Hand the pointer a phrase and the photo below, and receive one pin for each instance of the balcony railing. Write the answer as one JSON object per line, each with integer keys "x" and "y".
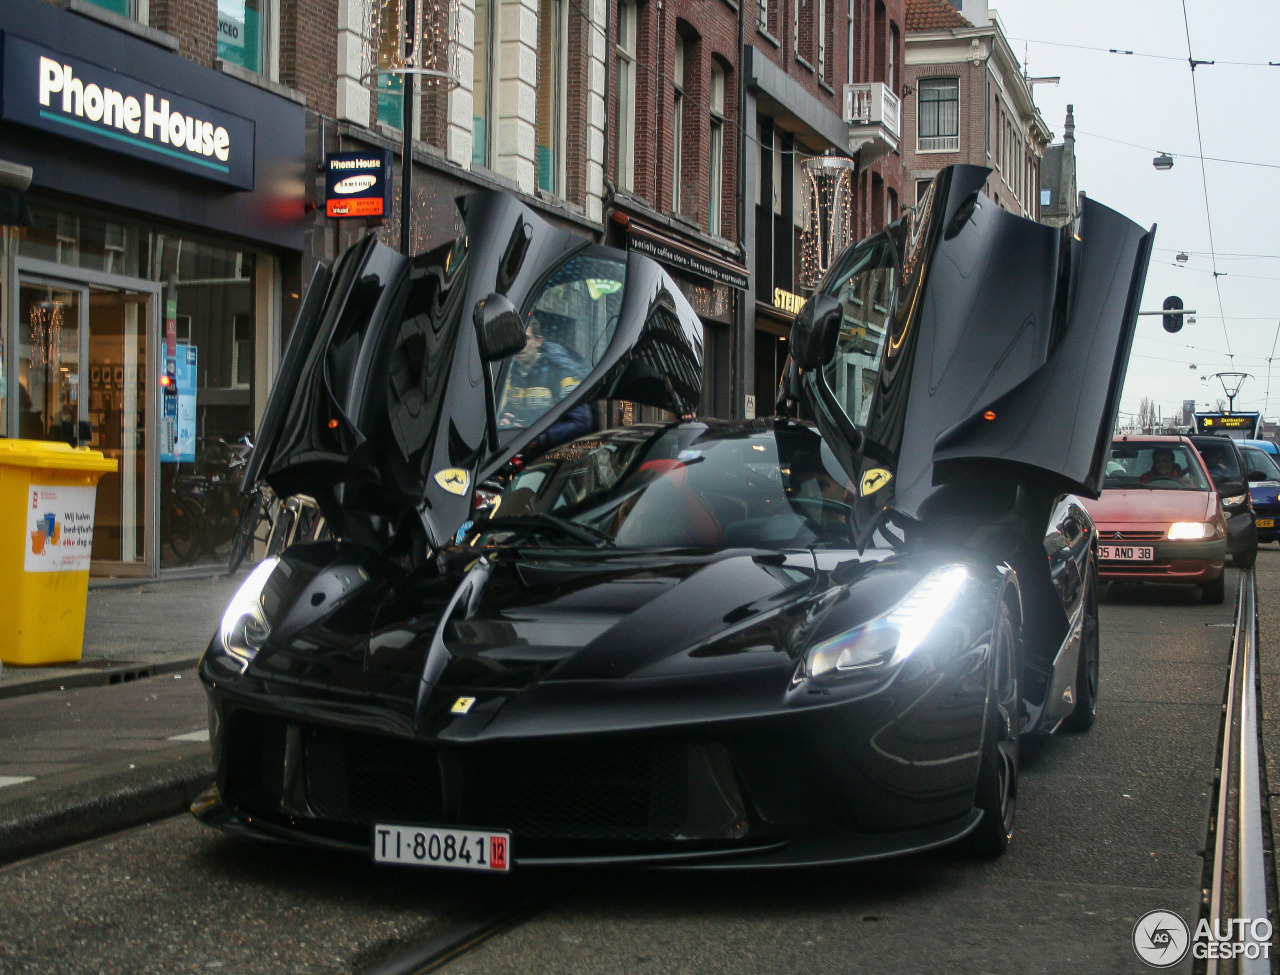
{"x": 874, "y": 115}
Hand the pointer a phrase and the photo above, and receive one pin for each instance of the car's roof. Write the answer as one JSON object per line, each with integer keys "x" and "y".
{"x": 1149, "y": 438}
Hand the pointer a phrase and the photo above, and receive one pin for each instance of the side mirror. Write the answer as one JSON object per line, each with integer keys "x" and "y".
{"x": 1256, "y": 476}
{"x": 1231, "y": 489}
{"x": 498, "y": 327}
{"x": 815, "y": 332}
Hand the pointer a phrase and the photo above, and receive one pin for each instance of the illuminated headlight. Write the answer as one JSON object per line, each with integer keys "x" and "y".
{"x": 244, "y": 625}
{"x": 1185, "y": 530}
{"x": 1235, "y": 499}
{"x": 890, "y": 639}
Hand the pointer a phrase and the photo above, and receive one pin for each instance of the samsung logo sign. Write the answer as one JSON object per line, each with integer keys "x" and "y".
{"x": 91, "y": 103}
{"x": 151, "y": 119}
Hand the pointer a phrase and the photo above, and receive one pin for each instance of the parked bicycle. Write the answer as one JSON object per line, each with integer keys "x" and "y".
{"x": 205, "y": 505}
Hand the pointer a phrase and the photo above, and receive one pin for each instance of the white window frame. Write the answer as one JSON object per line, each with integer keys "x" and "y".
{"x": 822, "y": 38}
{"x": 626, "y": 95}
{"x": 852, "y": 43}
{"x": 270, "y": 41}
{"x": 936, "y": 143}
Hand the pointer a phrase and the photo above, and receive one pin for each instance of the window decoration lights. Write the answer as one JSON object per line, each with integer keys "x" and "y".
{"x": 828, "y": 201}
{"x": 45, "y": 323}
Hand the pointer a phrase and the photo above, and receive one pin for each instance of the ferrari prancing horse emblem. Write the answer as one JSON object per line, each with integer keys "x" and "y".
{"x": 873, "y": 480}
{"x": 453, "y": 479}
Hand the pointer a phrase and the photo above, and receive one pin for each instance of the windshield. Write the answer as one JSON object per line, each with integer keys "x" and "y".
{"x": 1155, "y": 466}
{"x": 1219, "y": 455}
{"x": 1257, "y": 459}
{"x": 864, "y": 286}
{"x": 687, "y": 486}
{"x": 568, "y": 326}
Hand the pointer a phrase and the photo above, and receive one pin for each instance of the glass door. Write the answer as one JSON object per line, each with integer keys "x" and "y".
{"x": 82, "y": 363}
{"x": 115, "y": 384}
{"x": 49, "y": 353}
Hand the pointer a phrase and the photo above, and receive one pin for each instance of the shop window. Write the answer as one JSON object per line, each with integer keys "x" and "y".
{"x": 243, "y": 34}
{"x": 553, "y": 67}
{"x": 625, "y": 93}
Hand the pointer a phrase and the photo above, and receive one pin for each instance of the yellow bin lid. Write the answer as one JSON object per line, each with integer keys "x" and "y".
{"x": 53, "y": 454}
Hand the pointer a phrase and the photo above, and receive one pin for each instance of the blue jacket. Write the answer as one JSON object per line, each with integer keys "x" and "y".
{"x": 531, "y": 392}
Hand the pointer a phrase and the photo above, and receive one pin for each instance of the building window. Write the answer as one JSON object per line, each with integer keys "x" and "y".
{"x": 922, "y": 187}
{"x": 677, "y": 139}
{"x": 390, "y": 54}
{"x": 125, "y": 8}
{"x": 482, "y": 84}
{"x": 553, "y": 67}
{"x": 822, "y": 39}
{"x": 849, "y": 78}
{"x": 762, "y": 15}
{"x": 715, "y": 166}
{"x": 939, "y": 122}
{"x": 625, "y": 91}
{"x": 243, "y": 30}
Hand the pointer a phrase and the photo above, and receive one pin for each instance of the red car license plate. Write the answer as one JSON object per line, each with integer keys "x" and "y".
{"x": 1126, "y": 553}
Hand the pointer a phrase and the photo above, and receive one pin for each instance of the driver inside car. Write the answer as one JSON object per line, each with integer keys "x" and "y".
{"x": 1164, "y": 469}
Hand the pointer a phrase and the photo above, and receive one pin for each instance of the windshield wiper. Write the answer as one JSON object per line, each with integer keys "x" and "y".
{"x": 539, "y": 519}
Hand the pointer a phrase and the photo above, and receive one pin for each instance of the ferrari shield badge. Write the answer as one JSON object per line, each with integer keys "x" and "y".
{"x": 454, "y": 480}
{"x": 873, "y": 480}
{"x": 462, "y": 705}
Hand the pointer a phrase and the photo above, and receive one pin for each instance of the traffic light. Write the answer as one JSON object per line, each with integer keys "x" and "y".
{"x": 1173, "y": 323}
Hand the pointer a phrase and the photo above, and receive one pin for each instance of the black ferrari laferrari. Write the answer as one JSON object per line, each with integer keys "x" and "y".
{"x": 815, "y": 637}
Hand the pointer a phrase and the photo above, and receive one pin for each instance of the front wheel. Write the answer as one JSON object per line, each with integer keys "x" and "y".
{"x": 1088, "y": 666}
{"x": 997, "y": 792}
{"x": 246, "y": 530}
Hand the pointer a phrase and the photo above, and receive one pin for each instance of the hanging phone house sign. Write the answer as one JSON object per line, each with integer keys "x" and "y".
{"x": 357, "y": 184}
{"x": 79, "y": 100}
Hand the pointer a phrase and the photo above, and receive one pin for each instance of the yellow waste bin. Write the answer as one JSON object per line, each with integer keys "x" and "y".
{"x": 47, "y": 494}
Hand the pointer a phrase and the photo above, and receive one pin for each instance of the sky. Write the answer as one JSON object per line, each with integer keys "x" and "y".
{"x": 1225, "y": 217}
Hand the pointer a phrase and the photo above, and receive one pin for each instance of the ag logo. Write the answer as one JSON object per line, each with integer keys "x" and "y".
{"x": 462, "y": 705}
{"x": 873, "y": 480}
{"x": 1161, "y": 939}
{"x": 453, "y": 479}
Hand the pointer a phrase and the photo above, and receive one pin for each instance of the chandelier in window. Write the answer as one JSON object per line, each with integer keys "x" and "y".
{"x": 45, "y": 324}
{"x": 827, "y": 199}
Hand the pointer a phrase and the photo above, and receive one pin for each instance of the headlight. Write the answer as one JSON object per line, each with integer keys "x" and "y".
{"x": 1185, "y": 530}
{"x": 244, "y": 624}
{"x": 1235, "y": 499}
{"x": 892, "y": 638}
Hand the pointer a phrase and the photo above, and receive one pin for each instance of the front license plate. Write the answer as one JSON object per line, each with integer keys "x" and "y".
{"x": 1266, "y": 523}
{"x": 1126, "y": 553}
{"x": 430, "y": 846}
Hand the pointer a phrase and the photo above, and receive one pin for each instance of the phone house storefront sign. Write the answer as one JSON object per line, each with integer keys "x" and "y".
{"x": 79, "y": 100}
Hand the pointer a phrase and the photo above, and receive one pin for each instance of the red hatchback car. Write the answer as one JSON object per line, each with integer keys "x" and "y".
{"x": 1159, "y": 518}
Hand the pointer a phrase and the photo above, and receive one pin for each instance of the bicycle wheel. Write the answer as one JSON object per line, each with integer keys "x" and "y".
{"x": 184, "y": 526}
{"x": 246, "y": 530}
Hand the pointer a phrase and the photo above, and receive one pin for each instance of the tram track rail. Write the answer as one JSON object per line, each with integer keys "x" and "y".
{"x": 1237, "y": 873}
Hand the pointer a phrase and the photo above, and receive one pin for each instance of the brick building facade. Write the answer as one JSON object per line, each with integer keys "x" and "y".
{"x": 970, "y": 102}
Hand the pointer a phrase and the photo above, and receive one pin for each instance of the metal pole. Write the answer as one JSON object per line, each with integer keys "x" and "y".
{"x": 406, "y": 149}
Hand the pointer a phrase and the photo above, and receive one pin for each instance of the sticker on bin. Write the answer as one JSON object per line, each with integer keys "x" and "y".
{"x": 59, "y": 535}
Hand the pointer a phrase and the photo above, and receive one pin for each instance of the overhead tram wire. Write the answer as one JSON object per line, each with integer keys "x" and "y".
{"x": 1204, "y": 178}
{"x": 1267, "y": 396}
{"x": 1139, "y": 54}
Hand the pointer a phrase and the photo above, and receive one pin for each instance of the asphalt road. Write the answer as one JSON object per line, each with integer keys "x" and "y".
{"x": 1111, "y": 825}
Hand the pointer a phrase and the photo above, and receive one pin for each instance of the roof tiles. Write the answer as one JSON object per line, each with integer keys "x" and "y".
{"x": 934, "y": 15}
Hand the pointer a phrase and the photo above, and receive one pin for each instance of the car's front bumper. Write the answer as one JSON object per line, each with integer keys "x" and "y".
{"x": 1191, "y": 562}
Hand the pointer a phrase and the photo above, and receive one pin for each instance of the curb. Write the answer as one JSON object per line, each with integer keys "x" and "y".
{"x": 112, "y": 673}
{"x": 57, "y": 811}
